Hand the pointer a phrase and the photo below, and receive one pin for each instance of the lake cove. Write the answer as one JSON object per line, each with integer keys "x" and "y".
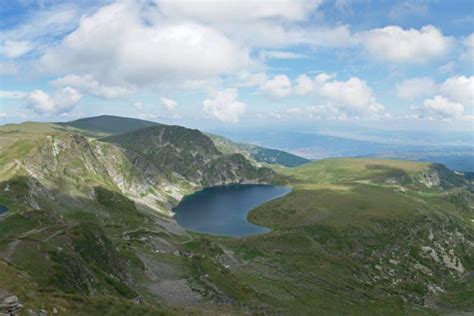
{"x": 222, "y": 210}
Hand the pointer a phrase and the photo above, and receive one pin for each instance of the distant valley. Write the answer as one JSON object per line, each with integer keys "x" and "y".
{"x": 459, "y": 157}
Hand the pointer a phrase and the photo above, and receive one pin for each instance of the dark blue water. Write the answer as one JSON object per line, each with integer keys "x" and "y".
{"x": 223, "y": 210}
{"x": 3, "y": 209}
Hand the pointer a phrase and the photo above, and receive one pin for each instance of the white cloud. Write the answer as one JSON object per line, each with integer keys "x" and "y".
{"x": 306, "y": 85}
{"x": 224, "y": 105}
{"x": 62, "y": 101}
{"x": 392, "y": 43}
{"x": 12, "y": 94}
{"x": 279, "y": 54}
{"x": 13, "y": 49}
{"x": 120, "y": 46}
{"x": 352, "y": 97}
{"x": 459, "y": 89}
{"x": 441, "y": 107}
{"x": 339, "y": 99}
{"x": 278, "y": 87}
{"x": 232, "y": 11}
{"x": 416, "y": 87}
{"x": 168, "y": 103}
{"x": 88, "y": 84}
{"x": 454, "y": 98}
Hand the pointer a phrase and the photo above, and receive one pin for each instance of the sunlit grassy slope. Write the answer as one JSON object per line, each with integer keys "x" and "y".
{"x": 362, "y": 236}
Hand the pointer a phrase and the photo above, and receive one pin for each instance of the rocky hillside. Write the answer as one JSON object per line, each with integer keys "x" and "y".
{"x": 106, "y": 125}
{"x": 88, "y": 230}
{"x": 153, "y": 166}
{"x": 77, "y": 206}
{"x": 185, "y": 154}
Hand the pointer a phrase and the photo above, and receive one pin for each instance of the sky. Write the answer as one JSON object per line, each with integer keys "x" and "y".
{"x": 405, "y": 65}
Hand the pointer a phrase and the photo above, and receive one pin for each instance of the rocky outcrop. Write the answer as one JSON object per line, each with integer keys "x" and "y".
{"x": 438, "y": 176}
{"x": 9, "y": 304}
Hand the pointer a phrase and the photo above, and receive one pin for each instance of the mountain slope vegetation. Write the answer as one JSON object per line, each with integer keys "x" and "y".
{"x": 107, "y": 125}
{"x": 89, "y": 229}
{"x": 257, "y": 153}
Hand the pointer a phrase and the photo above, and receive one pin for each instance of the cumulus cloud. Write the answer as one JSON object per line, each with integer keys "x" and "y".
{"x": 121, "y": 46}
{"x": 306, "y": 85}
{"x": 278, "y": 87}
{"x": 459, "y": 89}
{"x": 392, "y": 43}
{"x": 168, "y": 104}
{"x": 352, "y": 98}
{"x": 60, "y": 102}
{"x": 441, "y": 107}
{"x": 224, "y": 105}
{"x": 454, "y": 98}
{"x": 88, "y": 84}
{"x": 260, "y": 24}
{"x": 416, "y": 87}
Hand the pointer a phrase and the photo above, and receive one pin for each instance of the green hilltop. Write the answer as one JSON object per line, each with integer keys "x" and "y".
{"x": 89, "y": 228}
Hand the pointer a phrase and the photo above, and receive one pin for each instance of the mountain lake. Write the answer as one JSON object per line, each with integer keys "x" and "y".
{"x": 222, "y": 210}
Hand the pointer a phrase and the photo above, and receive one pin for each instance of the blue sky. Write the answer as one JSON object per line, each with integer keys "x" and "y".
{"x": 234, "y": 64}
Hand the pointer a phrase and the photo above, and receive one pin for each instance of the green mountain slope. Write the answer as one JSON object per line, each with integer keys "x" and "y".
{"x": 89, "y": 230}
{"x": 375, "y": 236}
{"x": 178, "y": 152}
{"x": 257, "y": 153}
{"x": 105, "y": 125}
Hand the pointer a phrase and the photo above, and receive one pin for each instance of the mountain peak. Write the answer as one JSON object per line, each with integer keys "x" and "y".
{"x": 109, "y": 124}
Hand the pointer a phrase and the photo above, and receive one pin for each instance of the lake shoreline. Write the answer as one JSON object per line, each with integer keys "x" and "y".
{"x": 223, "y": 210}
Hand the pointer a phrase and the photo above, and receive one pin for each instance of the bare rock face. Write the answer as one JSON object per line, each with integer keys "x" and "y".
{"x": 429, "y": 178}
{"x": 9, "y": 304}
{"x": 439, "y": 176}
